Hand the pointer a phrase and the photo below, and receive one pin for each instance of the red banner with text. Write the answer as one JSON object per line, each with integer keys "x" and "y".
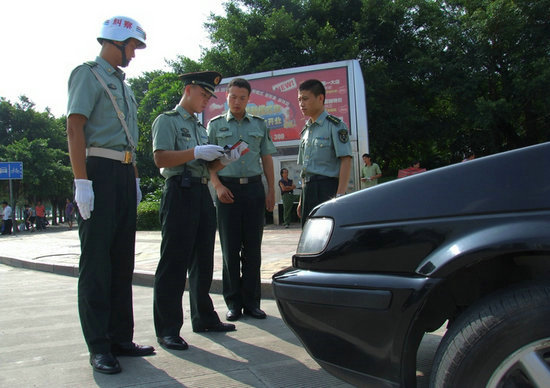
{"x": 276, "y": 100}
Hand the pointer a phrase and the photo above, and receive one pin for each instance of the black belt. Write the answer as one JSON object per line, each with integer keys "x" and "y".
{"x": 241, "y": 181}
{"x": 313, "y": 178}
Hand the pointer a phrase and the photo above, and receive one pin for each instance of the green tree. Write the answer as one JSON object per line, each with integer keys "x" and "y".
{"x": 38, "y": 140}
{"x": 441, "y": 76}
{"x": 509, "y": 42}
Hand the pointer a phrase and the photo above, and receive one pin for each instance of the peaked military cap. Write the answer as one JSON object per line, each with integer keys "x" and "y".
{"x": 208, "y": 80}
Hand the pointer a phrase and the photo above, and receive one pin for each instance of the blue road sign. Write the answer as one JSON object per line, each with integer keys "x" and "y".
{"x": 11, "y": 170}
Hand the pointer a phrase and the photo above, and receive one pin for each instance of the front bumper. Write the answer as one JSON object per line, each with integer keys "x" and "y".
{"x": 353, "y": 325}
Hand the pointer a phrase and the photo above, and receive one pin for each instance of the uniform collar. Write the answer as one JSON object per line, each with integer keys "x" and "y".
{"x": 183, "y": 113}
{"x": 110, "y": 69}
{"x": 229, "y": 116}
{"x": 322, "y": 117}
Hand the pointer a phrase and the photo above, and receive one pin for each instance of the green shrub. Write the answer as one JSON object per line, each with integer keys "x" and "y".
{"x": 148, "y": 216}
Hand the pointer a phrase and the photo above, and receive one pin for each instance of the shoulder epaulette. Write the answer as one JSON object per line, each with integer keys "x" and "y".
{"x": 334, "y": 119}
{"x": 257, "y": 117}
{"x": 171, "y": 113}
{"x": 91, "y": 63}
{"x": 217, "y": 117}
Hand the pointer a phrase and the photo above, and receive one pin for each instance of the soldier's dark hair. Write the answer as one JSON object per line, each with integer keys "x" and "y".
{"x": 314, "y": 86}
{"x": 283, "y": 170}
{"x": 240, "y": 83}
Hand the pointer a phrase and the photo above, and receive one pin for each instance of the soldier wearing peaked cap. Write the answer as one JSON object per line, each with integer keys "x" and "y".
{"x": 102, "y": 132}
{"x": 187, "y": 214}
{"x": 325, "y": 150}
{"x": 208, "y": 80}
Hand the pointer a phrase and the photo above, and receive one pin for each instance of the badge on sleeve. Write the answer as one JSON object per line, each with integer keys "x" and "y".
{"x": 343, "y": 135}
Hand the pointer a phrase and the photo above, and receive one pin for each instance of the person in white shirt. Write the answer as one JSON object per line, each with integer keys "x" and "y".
{"x": 6, "y": 218}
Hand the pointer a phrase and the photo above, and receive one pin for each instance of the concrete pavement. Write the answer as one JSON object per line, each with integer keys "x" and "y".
{"x": 42, "y": 344}
{"x": 57, "y": 250}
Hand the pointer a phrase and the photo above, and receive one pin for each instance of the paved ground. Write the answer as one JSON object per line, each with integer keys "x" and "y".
{"x": 57, "y": 250}
{"x": 42, "y": 344}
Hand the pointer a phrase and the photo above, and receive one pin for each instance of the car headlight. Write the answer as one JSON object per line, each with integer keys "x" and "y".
{"x": 315, "y": 236}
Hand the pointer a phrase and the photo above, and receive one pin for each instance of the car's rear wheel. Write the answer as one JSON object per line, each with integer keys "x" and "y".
{"x": 501, "y": 341}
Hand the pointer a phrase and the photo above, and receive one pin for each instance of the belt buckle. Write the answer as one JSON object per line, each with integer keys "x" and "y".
{"x": 127, "y": 157}
{"x": 204, "y": 180}
{"x": 243, "y": 181}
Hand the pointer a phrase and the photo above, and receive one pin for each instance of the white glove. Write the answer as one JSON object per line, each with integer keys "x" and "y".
{"x": 138, "y": 191}
{"x": 230, "y": 156}
{"x": 208, "y": 152}
{"x": 84, "y": 197}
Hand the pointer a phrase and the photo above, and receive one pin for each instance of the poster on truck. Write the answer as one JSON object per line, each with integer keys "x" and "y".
{"x": 275, "y": 98}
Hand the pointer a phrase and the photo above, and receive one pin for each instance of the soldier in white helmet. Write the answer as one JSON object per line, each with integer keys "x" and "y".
{"x": 102, "y": 134}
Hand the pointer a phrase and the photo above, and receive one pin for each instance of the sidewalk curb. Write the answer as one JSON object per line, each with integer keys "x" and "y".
{"x": 140, "y": 278}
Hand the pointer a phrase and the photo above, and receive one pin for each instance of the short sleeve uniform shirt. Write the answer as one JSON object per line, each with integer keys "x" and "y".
{"x": 179, "y": 130}
{"x": 87, "y": 97}
{"x": 322, "y": 143}
{"x": 227, "y": 130}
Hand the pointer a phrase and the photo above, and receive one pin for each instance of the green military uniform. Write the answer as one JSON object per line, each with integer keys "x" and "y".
{"x": 107, "y": 238}
{"x": 188, "y": 220}
{"x": 240, "y": 224}
{"x": 322, "y": 143}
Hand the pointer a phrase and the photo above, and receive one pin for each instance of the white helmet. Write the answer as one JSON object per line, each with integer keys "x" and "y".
{"x": 120, "y": 28}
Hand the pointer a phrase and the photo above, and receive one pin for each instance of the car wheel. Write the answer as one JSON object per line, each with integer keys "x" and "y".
{"x": 501, "y": 341}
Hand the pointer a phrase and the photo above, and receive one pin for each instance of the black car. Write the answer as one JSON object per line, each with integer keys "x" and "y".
{"x": 469, "y": 244}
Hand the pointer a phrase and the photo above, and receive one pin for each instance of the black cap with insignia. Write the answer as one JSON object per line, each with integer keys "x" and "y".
{"x": 208, "y": 80}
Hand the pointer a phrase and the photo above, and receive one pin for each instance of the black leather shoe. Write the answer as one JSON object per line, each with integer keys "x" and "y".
{"x": 173, "y": 342}
{"x": 131, "y": 349}
{"x": 255, "y": 313}
{"x": 220, "y": 326}
{"x": 104, "y": 363}
{"x": 233, "y": 315}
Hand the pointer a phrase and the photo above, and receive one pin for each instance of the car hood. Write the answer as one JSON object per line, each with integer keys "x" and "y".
{"x": 512, "y": 181}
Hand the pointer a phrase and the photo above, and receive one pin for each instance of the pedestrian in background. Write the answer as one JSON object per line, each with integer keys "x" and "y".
{"x": 27, "y": 214}
{"x": 69, "y": 212}
{"x": 40, "y": 211}
{"x": 241, "y": 201}
{"x": 413, "y": 169}
{"x": 32, "y": 218}
{"x": 325, "y": 150}
{"x": 187, "y": 214}
{"x": 287, "y": 194}
{"x": 102, "y": 132}
{"x": 6, "y": 218}
{"x": 370, "y": 172}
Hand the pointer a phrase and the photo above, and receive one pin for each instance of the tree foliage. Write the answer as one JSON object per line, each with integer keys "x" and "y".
{"x": 38, "y": 140}
{"x": 441, "y": 77}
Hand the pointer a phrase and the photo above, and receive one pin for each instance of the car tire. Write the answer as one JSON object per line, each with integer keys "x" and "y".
{"x": 503, "y": 340}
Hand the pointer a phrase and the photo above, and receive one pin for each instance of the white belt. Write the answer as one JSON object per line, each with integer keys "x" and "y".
{"x": 125, "y": 157}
